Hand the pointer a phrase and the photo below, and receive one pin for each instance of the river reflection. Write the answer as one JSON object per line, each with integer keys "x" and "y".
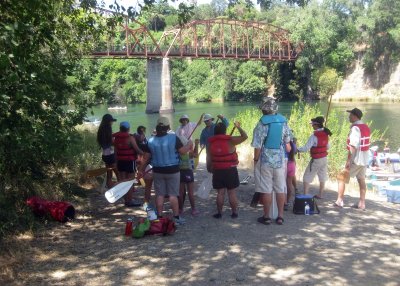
{"x": 383, "y": 115}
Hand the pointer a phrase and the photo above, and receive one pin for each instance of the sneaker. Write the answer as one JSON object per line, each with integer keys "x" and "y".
{"x": 179, "y": 221}
{"x": 195, "y": 212}
{"x": 217, "y": 216}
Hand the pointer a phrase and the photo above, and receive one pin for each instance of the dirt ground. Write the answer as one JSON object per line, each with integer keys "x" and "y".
{"x": 337, "y": 247}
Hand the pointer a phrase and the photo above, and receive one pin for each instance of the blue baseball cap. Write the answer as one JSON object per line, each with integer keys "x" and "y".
{"x": 125, "y": 124}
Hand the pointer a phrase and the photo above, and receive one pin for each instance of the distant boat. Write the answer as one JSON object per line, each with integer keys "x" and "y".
{"x": 118, "y": 108}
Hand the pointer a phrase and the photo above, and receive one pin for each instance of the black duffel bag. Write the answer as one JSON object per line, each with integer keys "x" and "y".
{"x": 300, "y": 202}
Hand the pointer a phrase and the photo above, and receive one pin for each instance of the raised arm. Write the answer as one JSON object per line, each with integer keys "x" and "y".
{"x": 236, "y": 140}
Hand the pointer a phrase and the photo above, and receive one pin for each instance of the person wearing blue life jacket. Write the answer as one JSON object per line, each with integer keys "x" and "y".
{"x": 207, "y": 132}
{"x": 271, "y": 139}
{"x": 164, "y": 149}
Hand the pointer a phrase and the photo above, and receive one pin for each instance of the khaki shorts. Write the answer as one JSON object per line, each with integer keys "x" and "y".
{"x": 268, "y": 179}
{"x": 316, "y": 167}
{"x": 357, "y": 171}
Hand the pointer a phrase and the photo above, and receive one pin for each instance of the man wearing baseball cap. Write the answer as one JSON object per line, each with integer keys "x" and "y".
{"x": 358, "y": 143}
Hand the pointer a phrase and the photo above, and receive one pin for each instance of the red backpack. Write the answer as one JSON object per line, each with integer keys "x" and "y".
{"x": 162, "y": 226}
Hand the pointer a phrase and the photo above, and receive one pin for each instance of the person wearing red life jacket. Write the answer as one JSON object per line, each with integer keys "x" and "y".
{"x": 318, "y": 145}
{"x": 126, "y": 150}
{"x": 224, "y": 161}
{"x": 358, "y": 143}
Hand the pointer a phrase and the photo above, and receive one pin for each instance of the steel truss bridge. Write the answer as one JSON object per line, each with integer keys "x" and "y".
{"x": 207, "y": 39}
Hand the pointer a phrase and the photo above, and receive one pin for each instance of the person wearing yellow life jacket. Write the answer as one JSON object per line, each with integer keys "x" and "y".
{"x": 317, "y": 144}
{"x": 126, "y": 150}
{"x": 224, "y": 161}
{"x": 358, "y": 143}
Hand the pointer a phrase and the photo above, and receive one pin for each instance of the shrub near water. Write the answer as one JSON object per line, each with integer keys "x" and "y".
{"x": 298, "y": 121}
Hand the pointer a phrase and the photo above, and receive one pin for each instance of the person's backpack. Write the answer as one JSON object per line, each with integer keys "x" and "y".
{"x": 300, "y": 202}
{"x": 161, "y": 226}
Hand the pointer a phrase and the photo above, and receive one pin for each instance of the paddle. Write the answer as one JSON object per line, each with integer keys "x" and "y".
{"x": 96, "y": 172}
{"x": 198, "y": 123}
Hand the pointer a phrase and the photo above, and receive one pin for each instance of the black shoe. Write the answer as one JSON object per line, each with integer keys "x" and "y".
{"x": 234, "y": 215}
{"x": 217, "y": 215}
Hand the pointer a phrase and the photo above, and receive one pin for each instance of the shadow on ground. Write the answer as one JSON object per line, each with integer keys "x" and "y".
{"x": 338, "y": 247}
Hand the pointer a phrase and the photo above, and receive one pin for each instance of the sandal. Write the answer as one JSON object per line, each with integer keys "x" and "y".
{"x": 264, "y": 220}
{"x": 336, "y": 205}
{"x": 279, "y": 220}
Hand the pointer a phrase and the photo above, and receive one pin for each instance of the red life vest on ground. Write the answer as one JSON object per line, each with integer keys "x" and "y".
{"x": 321, "y": 150}
{"x": 219, "y": 150}
{"x": 365, "y": 136}
{"x": 123, "y": 148}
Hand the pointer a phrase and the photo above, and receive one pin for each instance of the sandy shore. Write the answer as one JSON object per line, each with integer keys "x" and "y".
{"x": 338, "y": 247}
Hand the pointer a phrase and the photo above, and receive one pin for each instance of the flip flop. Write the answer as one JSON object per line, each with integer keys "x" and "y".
{"x": 336, "y": 205}
{"x": 318, "y": 197}
{"x": 245, "y": 181}
{"x": 355, "y": 206}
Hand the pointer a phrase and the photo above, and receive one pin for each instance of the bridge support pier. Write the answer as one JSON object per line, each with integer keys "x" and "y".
{"x": 159, "y": 89}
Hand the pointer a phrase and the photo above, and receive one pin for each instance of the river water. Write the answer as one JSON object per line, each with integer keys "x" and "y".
{"x": 382, "y": 115}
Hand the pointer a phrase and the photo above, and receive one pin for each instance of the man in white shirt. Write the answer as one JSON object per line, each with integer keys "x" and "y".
{"x": 358, "y": 143}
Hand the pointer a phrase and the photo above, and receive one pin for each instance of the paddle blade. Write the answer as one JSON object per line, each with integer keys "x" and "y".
{"x": 95, "y": 172}
{"x": 118, "y": 191}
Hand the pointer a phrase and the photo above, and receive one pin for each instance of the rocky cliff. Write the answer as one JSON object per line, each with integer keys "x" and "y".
{"x": 382, "y": 86}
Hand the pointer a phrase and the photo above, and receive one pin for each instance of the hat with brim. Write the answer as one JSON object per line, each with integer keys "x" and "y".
{"x": 357, "y": 112}
{"x": 207, "y": 117}
{"x": 108, "y": 117}
{"x": 183, "y": 117}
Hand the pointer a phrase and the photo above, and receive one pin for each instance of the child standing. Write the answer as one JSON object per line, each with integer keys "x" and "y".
{"x": 291, "y": 173}
{"x": 187, "y": 177}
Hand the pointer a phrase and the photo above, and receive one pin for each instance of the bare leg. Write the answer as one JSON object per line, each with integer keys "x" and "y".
{"x": 321, "y": 188}
{"x": 266, "y": 200}
{"x": 233, "y": 200}
{"x": 363, "y": 189}
{"x": 294, "y": 182}
{"x": 306, "y": 187}
{"x": 341, "y": 189}
{"x": 160, "y": 204}
{"x": 220, "y": 200}
{"x": 280, "y": 201}
{"x": 173, "y": 200}
{"x": 290, "y": 189}
{"x": 191, "y": 195}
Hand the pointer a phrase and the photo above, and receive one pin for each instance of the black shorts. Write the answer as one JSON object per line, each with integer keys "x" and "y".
{"x": 225, "y": 178}
{"x": 108, "y": 159}
{"x": 187, "y": 176}
{"x": 126, "y": 166}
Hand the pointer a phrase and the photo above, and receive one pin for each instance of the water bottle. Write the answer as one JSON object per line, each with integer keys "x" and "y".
{"x": 306, "y": 209}
{"x": 151, "y": 214}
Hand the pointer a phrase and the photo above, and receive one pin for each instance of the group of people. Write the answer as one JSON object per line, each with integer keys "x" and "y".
{"x": 170, "y": 157}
